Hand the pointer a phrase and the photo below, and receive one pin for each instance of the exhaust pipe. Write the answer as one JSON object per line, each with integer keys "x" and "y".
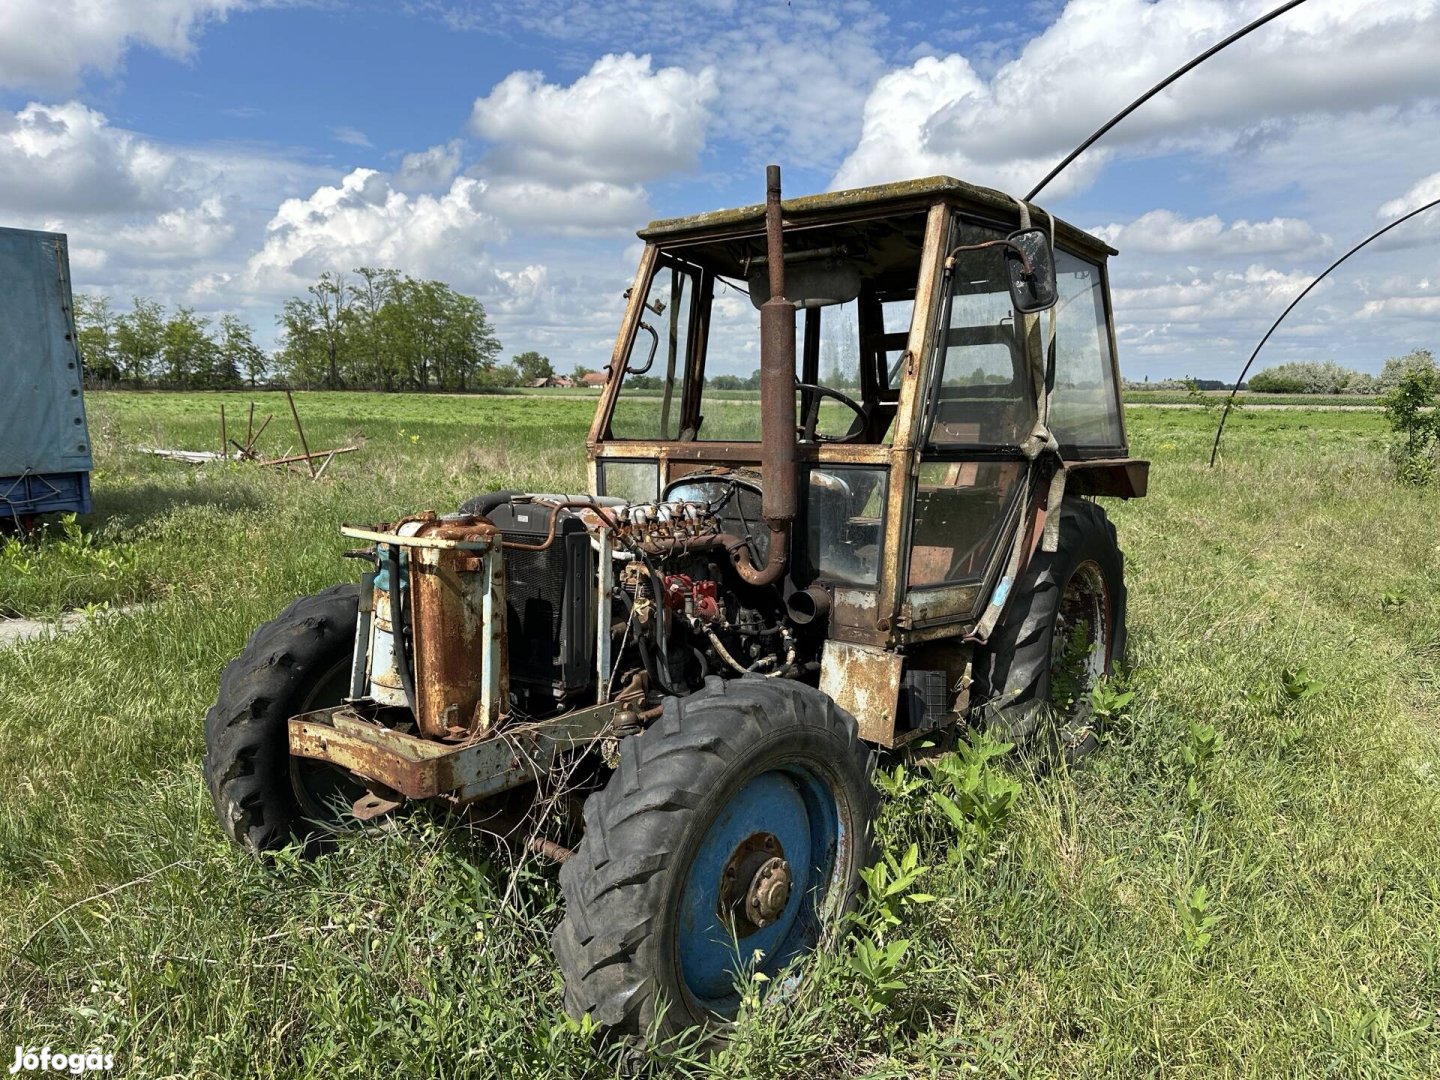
{"x": 778, "y": 472}
{"x": 779, "y": 476}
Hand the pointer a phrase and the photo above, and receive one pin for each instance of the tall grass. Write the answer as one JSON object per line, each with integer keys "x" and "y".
{"x": 1244, "y": 881}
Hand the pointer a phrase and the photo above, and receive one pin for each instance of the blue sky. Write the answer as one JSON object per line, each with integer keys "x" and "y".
{"x": 221, "y": 153}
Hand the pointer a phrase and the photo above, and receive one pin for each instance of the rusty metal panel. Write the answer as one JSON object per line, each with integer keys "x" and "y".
{"x": 865, "y": 682}
{"x": 458, "y": 674}
{"x": 854, "y": 607}
{"x": 421, "y": 768}
{"x": 946, "y": 602}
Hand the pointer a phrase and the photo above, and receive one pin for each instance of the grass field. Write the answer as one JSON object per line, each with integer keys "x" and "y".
{"x": 1245, "y": 881}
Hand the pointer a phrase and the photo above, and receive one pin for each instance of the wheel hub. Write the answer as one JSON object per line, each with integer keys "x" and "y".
{"x": 769, "y": 892}
{"x": 755, "y": 884}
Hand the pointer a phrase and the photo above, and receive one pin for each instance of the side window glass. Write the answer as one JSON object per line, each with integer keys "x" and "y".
{"x": 897, "y": 315}
{"x": 1084, "y": 410}
{"x": 982, "y": 395}
{"x": 652, "y": 397}
{"x": 960, "y": 508}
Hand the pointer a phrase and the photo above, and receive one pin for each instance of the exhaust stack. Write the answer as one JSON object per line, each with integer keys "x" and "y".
{"x": 777, "y": 400}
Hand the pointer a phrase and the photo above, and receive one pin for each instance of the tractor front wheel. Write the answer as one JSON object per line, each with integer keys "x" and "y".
{"x": 729, "y": 841}
{"x": 264, "y": 798}
{"x": 1063, "y": 633}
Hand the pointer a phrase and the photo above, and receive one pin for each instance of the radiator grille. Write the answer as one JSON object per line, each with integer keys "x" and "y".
{"x": 535, "y": 589}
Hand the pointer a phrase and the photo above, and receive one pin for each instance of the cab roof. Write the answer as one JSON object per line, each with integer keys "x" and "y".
{"x": 867, "y": 201}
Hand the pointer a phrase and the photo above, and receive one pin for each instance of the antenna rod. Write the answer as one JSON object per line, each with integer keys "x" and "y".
{"x": 1220, "y": 430}
{"x": 1123, "y": 113}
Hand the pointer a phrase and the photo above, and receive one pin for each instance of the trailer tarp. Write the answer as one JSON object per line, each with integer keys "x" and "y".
{"x": 42, "y": 410}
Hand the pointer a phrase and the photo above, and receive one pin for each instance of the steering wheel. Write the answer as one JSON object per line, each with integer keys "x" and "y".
{"x": 810, "y": 395}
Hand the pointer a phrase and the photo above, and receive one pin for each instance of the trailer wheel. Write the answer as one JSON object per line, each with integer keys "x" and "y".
{"x": 1065, "y": 630}
{"x": 730, "y": 840}
{"x": 300, "y": 661}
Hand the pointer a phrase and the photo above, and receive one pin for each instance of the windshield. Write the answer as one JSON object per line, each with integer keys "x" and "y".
{"x": 693, "y": 369}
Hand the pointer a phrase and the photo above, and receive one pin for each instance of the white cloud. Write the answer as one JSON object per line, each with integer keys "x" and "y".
{"x": 1214, "y": 297}
{"x": 1332, "y": 56}
{"x": 367, "y": 221}
{"x": 622, "y": 122}
{"x": 1165, "y": 232}
{"x": 426, "y": 170}
{"x": 1424, "y": 191}
{"x": 793, "y": 81}
{"x": 352, "y": 137}
{"x": 525, "y": 289}
{"x": 183, "y": 234}
{"x": 49, "y": 44}
{"x": 67, "y": 158}
{"x": 1426, "y": 307}
{"x": 590, "y": 206}
{"x": 896, "y": 142}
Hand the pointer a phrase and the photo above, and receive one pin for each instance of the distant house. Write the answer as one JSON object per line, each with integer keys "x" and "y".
{"x": 539, "y": 384}
{"x": 562, "y": 382}
{"x": 565, "y": 382}
{"x": 593, "y": 378}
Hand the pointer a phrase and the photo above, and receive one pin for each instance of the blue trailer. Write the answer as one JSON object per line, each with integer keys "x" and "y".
{"x": 44, "y": 440}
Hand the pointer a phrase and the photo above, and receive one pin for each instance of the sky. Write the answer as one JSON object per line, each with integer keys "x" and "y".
{"x": 221, "y": 154}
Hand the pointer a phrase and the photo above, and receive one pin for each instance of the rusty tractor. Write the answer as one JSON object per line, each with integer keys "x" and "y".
{"x": 898, "y": 539}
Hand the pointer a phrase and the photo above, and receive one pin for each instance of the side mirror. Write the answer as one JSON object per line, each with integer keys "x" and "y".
{"x": 1031, "y": 289}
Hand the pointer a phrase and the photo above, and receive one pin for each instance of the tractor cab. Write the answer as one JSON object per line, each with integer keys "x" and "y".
{"x": 930, "y": 401}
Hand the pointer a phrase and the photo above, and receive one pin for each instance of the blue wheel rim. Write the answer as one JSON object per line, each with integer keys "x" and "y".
{"x": 799, "y": 809}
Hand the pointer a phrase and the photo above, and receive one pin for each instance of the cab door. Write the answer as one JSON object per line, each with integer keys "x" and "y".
{"x": 978, "y": 407}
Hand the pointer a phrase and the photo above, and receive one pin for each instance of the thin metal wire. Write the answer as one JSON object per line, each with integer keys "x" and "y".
{"x": 1123, "y": 113}
{"x": 1220, "y": 430}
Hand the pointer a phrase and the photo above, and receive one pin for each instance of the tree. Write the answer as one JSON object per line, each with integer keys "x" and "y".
{"x": 581, "y": 371}
{"x": 239, "y": 355}
{"x": 501, "y": 375}
{"x": 301, "y": 356}
{"x": 1412, "y": 405}
{"x": 95, "y": 332}
{"x": 329, "y": 305}
{"x": 370, "y": 346}
{"x": 1398, "y": 367}
{"x": 139, "y": 336}
{"x": 1303, "y": 378}
{"x": 187, "y": 351}
{"x": 533, "y": 366}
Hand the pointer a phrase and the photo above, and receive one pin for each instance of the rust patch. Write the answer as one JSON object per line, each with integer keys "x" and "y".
{"x": 448, "y": 592}
{"x": 865, "y": 682}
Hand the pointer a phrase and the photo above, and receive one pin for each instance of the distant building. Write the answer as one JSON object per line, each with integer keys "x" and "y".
{"x": 562, "y": 382}
{"x": 593, "y": 378}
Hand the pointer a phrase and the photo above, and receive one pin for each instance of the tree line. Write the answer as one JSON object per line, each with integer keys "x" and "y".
{"x": 376, "y": 329}
{"x": 1310, "y": 377}
{"x": 146, "y": 347}
{"x": 1328, "y": 377}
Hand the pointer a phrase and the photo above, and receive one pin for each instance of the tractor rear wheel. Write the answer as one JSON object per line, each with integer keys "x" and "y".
{"x": 1063, "y": 633}
{"x": 729, "y": 840}
{"x": 264, "y": 798}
